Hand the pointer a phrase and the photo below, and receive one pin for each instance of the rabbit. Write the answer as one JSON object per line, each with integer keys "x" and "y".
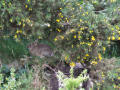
{"x": 41, "y": 50}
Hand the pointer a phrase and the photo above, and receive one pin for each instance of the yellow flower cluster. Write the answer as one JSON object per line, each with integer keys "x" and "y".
{"x": 72, "y": 64}
{"x": 116, "y": 86}
{"x": 99, "y": 56}
{"x": 58, "y": 20}
{"x": 102, "y": 74}
{"x": 112, "y": 1}
{"x": 94, "y": 62}
{"x": 87, "y": 55}
{"x": 19, "y": 31}
{"x": 93, "y": 38}
{"x": 15, "y": 36}
{"x": 113, "y": 38}
{"x": 59, "y": 30}
{"x": 104, "y": 49}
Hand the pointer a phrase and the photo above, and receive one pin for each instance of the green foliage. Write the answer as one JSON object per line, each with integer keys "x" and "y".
{"x": 26, "y": 81}
{"x": 12, "y": 17}
{"x": 109, "y": 74}
{"x": 71, "y": 83}
{"x": 113, "y": 75}
{"x": 11, "y": 49}
{"x": 11, "y": 81}
{"x": 112, "y": 50}
{"x": 23, "y": 82}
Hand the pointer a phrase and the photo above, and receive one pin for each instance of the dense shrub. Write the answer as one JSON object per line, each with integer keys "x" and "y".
{"x": 14, "y": 81}
{"x": 83, "y": 24}
{"x": 79, "y": 29}
{"x": 87, "y": 29}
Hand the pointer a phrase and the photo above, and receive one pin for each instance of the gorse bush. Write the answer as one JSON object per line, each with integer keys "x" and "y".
{"x": 86, "y": 28}
{"x": 23, "y": 21}
{"x": 27, "y": 19}
{"x": 79, "y": 29}
{"x": 12, "y": 18}
{"x": 83, "y": 24}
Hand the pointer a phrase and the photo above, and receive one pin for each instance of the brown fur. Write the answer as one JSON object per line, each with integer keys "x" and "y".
{"x": 40, "y": 50}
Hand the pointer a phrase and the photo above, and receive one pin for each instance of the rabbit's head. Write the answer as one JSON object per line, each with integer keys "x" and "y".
{"x": 31, "y": 45}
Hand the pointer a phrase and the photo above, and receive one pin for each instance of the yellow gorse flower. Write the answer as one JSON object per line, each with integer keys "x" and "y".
{"x": 91, "y": 31}
{"x": 72, "y": 30}
{"x": 119, "y": 32}
{"x": 102, "y": 74}
{"x": 9, "y": 4}
{"x": 83, "y": 14}
{"x": 84, "y": 58}
{"x": 87, "y": 13}
{"x": 60, "y": 14}
{"x": 11, "y": 20}
{"x": 58, "y": 20}
{"x": 113, "y": 38}
{"x": 94, "y": 62}
{"x": 66, "y": 58}
{"x": 112, "y": 1}
{"x": 93, "y": 38}
{"x": 58, "y": 30}
{"x": 26, "y": 6}
{"x": 118, "y": 78}
{"x": 19, "y": 31}
{"x": 117, "y": 27}
{"x": 19, "y": 23}
{"x": 80, "y": 8}
{"x": 55, "y": 39}
{"x": 15, "y": 36}
{"x": 89, "y": 44}
{"x": 74, "y": 36}
{"x": 87, "y": 55}
{"x": 23, "y": 25}
{"x": 80, "y": 20}
{"x": 99, "y": 56}
{"x": 72, "y": 64}
{"x": 28, "y": 0}
{"x": 72, "y": 46}
{"x": 104, "y": 48}
{"x": 30, "y": 9}
{"x": 112, "y": 29}
{"x": 108, "y": 38}
{"x": 118, "y": 38}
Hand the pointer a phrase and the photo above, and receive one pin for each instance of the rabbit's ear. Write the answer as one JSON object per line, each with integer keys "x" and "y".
{"x": 35, "y": 42}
